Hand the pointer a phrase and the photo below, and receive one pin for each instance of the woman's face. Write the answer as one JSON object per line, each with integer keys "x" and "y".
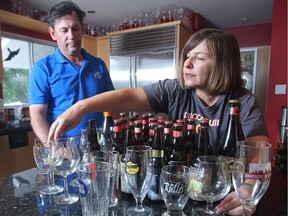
{"x": 197, "y": 67}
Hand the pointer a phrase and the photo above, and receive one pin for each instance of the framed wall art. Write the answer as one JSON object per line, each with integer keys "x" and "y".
{"x": 249, "y": 64}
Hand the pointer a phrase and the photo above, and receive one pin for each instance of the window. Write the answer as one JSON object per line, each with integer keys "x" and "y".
{"x": 19, "y": 54}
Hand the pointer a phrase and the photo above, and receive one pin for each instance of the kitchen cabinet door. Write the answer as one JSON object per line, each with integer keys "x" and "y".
{"x": 89, "y": 43}
{"x": 103, "y": 49}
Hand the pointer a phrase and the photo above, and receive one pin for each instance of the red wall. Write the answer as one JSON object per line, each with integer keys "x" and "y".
{"x": 253, "y": 35}
{"x": 278, "y": 69}
{"x": 275, "y": 35}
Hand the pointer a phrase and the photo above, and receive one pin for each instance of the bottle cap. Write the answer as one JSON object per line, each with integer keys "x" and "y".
{"x": 107, "y": 113}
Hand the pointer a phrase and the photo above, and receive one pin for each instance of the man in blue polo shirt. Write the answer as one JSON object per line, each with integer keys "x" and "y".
{"x": 68, "y": 75}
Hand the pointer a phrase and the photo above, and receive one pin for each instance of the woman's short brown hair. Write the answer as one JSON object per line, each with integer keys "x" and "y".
{"x": 224, "y": 48}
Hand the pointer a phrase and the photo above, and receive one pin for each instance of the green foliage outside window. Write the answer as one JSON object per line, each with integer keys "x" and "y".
{"x": 15, "y": 85}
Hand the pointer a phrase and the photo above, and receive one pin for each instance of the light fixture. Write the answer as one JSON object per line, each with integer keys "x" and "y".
{"x": 245, "y": 19}
{"x": 91, "y": 11}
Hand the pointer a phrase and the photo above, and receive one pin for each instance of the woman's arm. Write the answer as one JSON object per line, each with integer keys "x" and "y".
{"x": 114, "y": 101}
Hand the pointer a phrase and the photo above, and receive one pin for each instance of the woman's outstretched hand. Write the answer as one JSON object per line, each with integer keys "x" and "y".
{"x": 66, "y": 121}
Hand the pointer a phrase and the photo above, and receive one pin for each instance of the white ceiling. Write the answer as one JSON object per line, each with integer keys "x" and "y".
{"x": 221, "y": 13}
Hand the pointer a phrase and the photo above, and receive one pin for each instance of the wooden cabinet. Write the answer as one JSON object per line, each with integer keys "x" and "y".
{"x": 17, "y": 159}
{"x": 103, "y": 49}
{"x": 89, "y": 43}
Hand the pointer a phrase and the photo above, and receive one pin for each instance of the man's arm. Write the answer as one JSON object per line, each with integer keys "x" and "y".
{"x": 38, "y": 118}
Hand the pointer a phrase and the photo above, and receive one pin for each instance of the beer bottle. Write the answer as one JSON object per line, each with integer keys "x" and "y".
{"x": 118, "y": 142}
{"x": 145, "y": 128}
{"x": 92, "y": 136}
{"x": 157, "y": 161}
{"x": 129, "y": 136}
{"x": 124, "y": 122}
{"x": 167, "y": 139}
{"x": 136, "y": 115}
{"x": 122, "y": 114}
{"x": 161, "y": 122}
{"x": 190, "y": 140}
{"x": 233, "y": 133}
{"x": 138, "y": 133}
{"x": 203, "y": 142}
{"x": 151, "y": 133}
{"x": 107, "y": 130}
{"x": 108, "y": 122}
{"x": 178, "y": 154}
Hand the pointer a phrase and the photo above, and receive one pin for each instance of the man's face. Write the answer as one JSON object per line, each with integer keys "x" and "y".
{"x": 68, "y": 34}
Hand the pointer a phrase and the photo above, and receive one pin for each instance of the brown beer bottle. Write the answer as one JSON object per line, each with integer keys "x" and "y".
{"x": 118, "y": 142}
{"x": 138, "y": 133}
{"x": 167, "y": 139}
{"x": 178, "y": 154}
{"x": 190, "y": 140}
{"x": 92, "y": 136}
{"x": 145, "y": 128}
{"x": 157, "y": 161}
{"x": 228, "y": 145}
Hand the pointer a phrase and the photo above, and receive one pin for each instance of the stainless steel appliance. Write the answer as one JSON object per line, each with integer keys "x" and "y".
{"x": 144, "y": 57}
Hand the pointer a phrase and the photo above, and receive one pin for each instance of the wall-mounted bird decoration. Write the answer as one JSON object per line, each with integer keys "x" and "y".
{"x": 11, "y": 54}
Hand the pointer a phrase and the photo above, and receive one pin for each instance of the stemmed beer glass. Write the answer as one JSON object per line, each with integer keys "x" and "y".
{"x": 211, "y": 181}
{"x": 252, "y": 173}
{"x": 40, "y": 153}
{"x": 63, "y": 160}
{"x": 138, "y": 173}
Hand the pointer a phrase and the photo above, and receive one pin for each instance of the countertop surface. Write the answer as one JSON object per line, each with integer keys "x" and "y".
{"x": 19, "y": 196}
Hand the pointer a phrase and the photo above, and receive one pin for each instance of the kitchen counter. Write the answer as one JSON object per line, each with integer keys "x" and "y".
{"x": 19, "y": 196}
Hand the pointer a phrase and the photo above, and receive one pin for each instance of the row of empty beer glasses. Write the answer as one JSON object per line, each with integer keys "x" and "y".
{"x": 251, "y": 176}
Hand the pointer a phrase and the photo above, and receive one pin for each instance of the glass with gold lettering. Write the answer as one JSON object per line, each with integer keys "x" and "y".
{"x": 174, "y": 181}
{"x": 138, "y": 174}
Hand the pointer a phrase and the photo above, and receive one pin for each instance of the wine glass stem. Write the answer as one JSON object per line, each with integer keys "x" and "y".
{"x": 51, "y": 178}
{"x": 209, "y": 206}
{"x": 139, "y": 206}
{"x": 65, "y": 186}
{"x": 247, "y": 210}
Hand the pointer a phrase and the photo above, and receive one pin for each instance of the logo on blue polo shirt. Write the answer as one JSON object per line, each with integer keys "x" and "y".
{"x": 96, "y": 74}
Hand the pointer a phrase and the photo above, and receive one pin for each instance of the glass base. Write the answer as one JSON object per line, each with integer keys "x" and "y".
{"x": 205, "y": 212}
{"x": 67, "y": 199}
{"x": 171, "y": 213}
{"x": 132, "y": 212}
{"x": 51, "y": 190}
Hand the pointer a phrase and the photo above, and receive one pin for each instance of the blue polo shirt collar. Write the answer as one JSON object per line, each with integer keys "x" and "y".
{"x": 60, "y": 58}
